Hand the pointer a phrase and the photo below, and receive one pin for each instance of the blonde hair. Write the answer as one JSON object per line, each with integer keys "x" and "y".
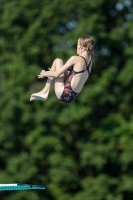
{"x": 88, "y": 43}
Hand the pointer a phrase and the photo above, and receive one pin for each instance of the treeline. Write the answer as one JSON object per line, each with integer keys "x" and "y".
{"x": 83, "y": 150}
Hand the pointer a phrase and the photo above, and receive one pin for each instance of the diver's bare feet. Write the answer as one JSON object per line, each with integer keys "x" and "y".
{"x": 39, "y": 96}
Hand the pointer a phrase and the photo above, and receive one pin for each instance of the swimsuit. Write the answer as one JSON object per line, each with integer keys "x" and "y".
{"x": 68, "y": 94}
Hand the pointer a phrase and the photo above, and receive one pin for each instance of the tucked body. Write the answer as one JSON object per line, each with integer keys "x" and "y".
{"x": 68, "y": 84}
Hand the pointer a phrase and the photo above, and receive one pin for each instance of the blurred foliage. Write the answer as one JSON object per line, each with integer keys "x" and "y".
{"x": 78, "y": 151}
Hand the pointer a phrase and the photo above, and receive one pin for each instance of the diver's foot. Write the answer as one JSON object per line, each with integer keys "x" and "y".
{"x": 39, "y": 96}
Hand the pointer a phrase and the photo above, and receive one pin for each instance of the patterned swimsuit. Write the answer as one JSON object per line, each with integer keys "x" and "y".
{"x": 68, "y": 94}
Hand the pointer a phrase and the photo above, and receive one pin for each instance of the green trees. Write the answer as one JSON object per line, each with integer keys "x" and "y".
{"x": 78, "y": 151}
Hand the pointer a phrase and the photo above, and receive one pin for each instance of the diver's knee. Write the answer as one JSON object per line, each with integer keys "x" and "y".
{"x": 58, "y": 61}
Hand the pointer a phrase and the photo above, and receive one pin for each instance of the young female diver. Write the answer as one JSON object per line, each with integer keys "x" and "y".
{"x": 68, "y": 85}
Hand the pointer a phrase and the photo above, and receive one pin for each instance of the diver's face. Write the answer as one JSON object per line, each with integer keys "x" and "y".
{"x": 78, "y": 47}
